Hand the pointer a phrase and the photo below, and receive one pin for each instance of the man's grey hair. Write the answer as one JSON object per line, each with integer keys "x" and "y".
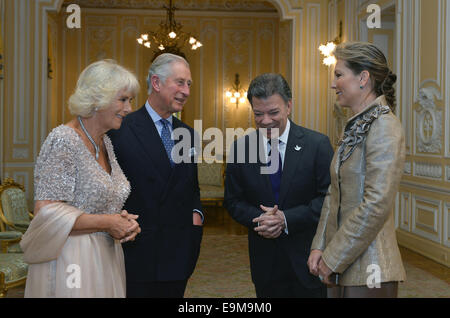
{"x": 268, "y": 84}
{"x": 161, "y": 67}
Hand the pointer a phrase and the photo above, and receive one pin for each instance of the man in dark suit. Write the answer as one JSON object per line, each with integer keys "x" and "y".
{"x": 281, "y": 209}
{"x": 164, "y": 192}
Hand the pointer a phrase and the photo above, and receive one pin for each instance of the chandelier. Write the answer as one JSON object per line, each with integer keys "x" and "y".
{"x": 169, "y": 38}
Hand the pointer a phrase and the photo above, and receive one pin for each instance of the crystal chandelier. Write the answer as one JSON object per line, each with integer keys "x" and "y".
{"x": 169, "y": 38}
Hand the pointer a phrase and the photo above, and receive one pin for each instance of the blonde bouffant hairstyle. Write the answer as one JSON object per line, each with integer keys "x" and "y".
{"x": 98, "y": 86}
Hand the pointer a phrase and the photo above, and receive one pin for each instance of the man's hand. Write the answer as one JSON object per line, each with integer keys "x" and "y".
{"x": 197, "y": 219}
{"x": 270, "y": 224}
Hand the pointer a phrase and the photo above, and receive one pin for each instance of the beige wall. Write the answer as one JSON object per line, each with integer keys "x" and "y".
{"x": 248, "y": 44}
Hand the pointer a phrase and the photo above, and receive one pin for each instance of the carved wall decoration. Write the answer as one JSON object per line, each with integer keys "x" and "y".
{"x": 407, "y": 167}
{"x": 425, "y": 169}
{"x": 429, "y": 121}
{"x": 101, "y": 43}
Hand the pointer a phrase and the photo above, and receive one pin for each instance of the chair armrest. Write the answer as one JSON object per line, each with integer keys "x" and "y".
{"x": 4, "y": 220}
{"x": 4, "y": 244}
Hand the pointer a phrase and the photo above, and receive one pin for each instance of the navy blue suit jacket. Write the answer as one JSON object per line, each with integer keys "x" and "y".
{"x": 168, "y": 246}
{"x": 304, "y": 184}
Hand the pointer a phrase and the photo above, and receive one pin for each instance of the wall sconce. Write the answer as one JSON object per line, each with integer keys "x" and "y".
{"x": 236, "y": 94}
{"x": 328, "y": 49}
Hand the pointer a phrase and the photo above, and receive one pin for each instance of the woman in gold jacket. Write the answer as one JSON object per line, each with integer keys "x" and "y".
{"x": 355, "y": 245}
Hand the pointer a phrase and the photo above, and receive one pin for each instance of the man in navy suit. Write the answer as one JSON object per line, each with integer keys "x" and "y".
{"x": 164, "y": 192}
{"x": 281, "y": 209}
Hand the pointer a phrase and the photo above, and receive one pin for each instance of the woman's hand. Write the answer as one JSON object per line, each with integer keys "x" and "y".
{"x": 135, "y": 229}
{"x": 123, "y": 226}
{"x": 325, "y": 272}
{"x": 313, "y": 262}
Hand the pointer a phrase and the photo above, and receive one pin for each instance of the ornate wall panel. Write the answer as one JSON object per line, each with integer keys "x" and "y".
{"x": 426, "y": 218}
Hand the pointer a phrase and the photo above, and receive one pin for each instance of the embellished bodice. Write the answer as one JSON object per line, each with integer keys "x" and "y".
{"x": 67, "y": 171}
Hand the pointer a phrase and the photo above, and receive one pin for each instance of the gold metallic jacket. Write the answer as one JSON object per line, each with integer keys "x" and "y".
{"x": 356, "y": 227}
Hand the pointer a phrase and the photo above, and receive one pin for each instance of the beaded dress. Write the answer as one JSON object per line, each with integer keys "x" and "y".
{"x": 63, "y": 265}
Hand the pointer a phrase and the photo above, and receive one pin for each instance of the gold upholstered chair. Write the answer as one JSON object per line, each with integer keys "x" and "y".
{"x": 14, "y": 214}
{"x": 14, "y": 220}
{"x": 13, "y": 270}
{"x": 211, "y": 182}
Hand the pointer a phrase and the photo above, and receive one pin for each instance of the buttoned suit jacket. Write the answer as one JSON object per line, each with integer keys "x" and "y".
{"x": 168, "y": 246}
{"x": 304, "y": 183}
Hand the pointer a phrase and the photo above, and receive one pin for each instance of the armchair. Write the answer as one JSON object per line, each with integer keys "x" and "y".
{"x": 13, "y": 270}
{"x": 14, "y": 214}
{"x": 211, "y": 183}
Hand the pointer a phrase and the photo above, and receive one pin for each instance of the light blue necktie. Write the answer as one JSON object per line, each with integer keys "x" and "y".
{"x": 166, "y": 139}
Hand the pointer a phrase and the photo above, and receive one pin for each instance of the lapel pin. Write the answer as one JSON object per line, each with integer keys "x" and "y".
{"x": 297, "y": 148}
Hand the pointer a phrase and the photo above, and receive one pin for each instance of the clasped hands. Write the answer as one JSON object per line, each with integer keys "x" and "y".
{"x": 271, "y": 223}
{"x": 124, "y": 227}
{"x": 317, "y": 267}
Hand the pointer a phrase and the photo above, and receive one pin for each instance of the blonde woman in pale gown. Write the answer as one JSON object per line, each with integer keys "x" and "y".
{"x": 73, "y": 245}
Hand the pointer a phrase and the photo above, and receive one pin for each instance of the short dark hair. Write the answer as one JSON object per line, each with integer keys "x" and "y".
{"x": 268, "y": 84}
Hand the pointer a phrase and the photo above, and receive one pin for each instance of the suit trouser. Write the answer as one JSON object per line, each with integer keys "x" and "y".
{"x": 283, "y": 282}
{"x": 386, "y": 290}
{"x": 172, "y": 289}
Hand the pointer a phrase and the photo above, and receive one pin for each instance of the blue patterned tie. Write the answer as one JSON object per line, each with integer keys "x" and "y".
{"x": 275, "y": 178}
{"x": 166, "y": 139}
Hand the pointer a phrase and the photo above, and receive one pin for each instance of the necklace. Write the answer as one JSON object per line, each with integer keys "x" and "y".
{"x": 97, "y": 148}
